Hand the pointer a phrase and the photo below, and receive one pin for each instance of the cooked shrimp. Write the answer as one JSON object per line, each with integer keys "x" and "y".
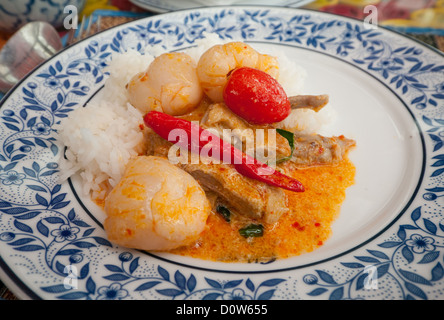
{"x": 268, "y": 64}
{"x": 170, "y": 84}
{"x": 214, "y": 65}
{"x": 156, "y": 206}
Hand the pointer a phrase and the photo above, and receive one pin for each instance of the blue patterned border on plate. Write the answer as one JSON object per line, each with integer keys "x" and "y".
{"x": 165, "y": 6}
{"x": 59, "y": 252}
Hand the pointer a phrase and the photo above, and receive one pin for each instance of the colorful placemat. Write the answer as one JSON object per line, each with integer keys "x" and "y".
{"x": 408, "y": 16}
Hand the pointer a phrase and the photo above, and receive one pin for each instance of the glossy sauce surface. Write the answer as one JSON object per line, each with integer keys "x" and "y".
{"x": 305, "y": 228}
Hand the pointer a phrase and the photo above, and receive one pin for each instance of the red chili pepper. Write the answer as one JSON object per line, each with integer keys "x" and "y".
{"x": 163, "y": 124}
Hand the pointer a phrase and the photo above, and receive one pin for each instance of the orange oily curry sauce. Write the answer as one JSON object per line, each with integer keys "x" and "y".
{"x": 306, "y": 227}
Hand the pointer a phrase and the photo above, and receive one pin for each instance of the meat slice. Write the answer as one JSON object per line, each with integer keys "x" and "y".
{"x": 315, "y": 103}
{"x": 314, "y": 149}
{"x": 242, "y": 195}
{"x": 219, "y": 117}
{"x": 309, "y": 149}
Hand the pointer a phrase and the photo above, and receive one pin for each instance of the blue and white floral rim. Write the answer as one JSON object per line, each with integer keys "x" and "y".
{"x": 162, "y": 6}
{"x": 52, "y": 249}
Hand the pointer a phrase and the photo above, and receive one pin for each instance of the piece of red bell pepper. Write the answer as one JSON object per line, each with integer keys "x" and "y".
{"x": 246, "y": 165}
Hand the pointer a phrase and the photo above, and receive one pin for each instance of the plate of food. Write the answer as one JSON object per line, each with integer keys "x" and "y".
{"x": 162, "y": 6}
{"x": 227, "y": 153}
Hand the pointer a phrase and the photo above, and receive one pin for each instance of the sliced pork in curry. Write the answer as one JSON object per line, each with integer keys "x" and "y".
{"x": 309, "y": 149}
{"x": 220, "y": 118}
{"x": 314, "y": 149}
{"x": 314, "y": 103}
{"x": 240, "y": 194}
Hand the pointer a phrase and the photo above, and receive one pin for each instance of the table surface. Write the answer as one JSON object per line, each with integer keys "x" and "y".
{"x": 435, "y": 41}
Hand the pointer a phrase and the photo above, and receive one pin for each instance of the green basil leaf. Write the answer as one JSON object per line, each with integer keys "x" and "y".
{"x": 224, "y": 212}
{"x": 290, "y": 138}
{"x": 252, "y": 230}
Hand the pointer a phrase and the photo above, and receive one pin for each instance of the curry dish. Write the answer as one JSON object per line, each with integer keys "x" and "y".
{"x": 305, "y": 226}
{"x": 255, "y": 207}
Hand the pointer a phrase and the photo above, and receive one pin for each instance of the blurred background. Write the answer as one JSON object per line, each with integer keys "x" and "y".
{"x": 23, "y": 21}
{"x": 409, "y": 16}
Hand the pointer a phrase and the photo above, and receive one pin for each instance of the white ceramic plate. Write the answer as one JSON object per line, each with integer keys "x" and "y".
{"x": 162, "y": 6}
{"x": 388, "y": 91}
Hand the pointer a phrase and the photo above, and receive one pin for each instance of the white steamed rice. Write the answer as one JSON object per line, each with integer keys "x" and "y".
{"x": 103, "y": 136}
